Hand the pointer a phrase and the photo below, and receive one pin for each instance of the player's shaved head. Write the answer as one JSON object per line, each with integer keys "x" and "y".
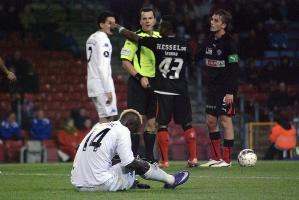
{"x": 131, "y": 119}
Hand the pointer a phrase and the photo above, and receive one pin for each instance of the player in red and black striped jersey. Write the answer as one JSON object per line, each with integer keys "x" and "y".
{"x": 170, "y": 85}
{"x": 221, "y": 66}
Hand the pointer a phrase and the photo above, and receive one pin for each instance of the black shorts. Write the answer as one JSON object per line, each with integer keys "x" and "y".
{"x": 141, "y": 99}
{"x": 215, "y": 105}
{"x": 176, "y": 106}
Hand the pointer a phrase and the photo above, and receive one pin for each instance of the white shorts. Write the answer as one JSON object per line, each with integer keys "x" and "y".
{"x": 121, "y": 180}
{"x": 103, "y": 109}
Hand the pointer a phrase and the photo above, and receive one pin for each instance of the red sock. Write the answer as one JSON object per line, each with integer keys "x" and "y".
{"x": 163, "y": 142}
{"x": 227, "y": 150}
{"x": 215, "y": 148}
{"x": 190, "y": 138}
{"x": 215, "y": 145}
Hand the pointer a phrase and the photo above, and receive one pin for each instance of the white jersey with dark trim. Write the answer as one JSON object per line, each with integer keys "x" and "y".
{"x": 99, "y": 74}
{"x": 92, "y": 164}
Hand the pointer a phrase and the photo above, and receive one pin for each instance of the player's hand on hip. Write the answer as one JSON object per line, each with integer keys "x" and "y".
{"x": 145, "y": 82}
{"x": 109, "y": 98}
{"x": 229, "y": 99}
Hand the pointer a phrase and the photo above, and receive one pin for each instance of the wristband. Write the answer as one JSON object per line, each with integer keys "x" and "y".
{"x": 138, "y": 76}
{"x": 120, "y": 29}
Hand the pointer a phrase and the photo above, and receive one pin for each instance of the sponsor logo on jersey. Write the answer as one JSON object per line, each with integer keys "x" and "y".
{"x": 215, "y": 63}
{"x": 125, "y": 52}
{"x": 106, "y": 54}
{"x": 209, "y": 51}
{"x": 233, "y": 58}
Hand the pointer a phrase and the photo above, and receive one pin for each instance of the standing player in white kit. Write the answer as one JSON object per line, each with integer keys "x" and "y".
{"x": 93, "y": 169}
{"x": 100, "y": 84}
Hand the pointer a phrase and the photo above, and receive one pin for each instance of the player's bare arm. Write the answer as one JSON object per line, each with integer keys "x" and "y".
{"x": 10, "y": 75}
{"x": 130, "y": 35}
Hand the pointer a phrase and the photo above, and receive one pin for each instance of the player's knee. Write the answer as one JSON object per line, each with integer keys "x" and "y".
{"x": 139, "y": 166}
{"x": 151, "y": 125}
{"x": 211, "y": 123}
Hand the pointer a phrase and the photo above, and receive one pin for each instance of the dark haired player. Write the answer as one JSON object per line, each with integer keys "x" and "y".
{"x": 100, "y": 86}
{"x": 170, "y": 85}
{"x": 221, "y": 64}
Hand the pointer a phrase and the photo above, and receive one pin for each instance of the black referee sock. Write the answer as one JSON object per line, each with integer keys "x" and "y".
{"x": 135, "y": 138}
{"x": 149, "y": 142}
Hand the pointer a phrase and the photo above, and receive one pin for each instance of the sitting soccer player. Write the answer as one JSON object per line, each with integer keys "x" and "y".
{"x": 93, "y": 169}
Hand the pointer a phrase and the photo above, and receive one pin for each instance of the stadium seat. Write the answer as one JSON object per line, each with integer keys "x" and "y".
{"x": 12, "y": 150}
{"x": 50, "y": 147}
{"x": 2, "y": 156}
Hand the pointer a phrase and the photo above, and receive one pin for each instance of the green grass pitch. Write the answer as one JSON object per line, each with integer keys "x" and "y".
{"x": 267, "y": 180}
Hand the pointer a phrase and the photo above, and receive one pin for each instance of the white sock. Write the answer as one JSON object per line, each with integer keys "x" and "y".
{"x": 157, "y": 174}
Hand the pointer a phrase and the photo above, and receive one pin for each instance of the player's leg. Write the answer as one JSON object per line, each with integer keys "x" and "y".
{"x": 153, "y": 172}
{"x": 183, "y": 115}
{"x": 105, "y": 112}
{"x": 214, "y": 133}
{"x": 121, "y": 179}
{"x": 164, "y": 112}
{"x": 136, "y": 100}
{"x": 149, "y": 137}
{"x": 225, "y": 118}
{"x": 149, "y": 134}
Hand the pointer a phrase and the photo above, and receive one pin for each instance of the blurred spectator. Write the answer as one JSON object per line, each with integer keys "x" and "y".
{"x": 282, "y": 138}
{"x": 278, "y": 38}
{"x": 250, "y": 47}
{"x": 279, "y": 99}
{"x": 79, "y": 117}
{"x": 87, "y": 126}
{"x": 284, "y": 70}
{"x": 27, "y": 111}
{"x": 252, "y": 72}
{"x": 10, "y": 129}
{"x": 68, "y": 139}
{"x": 25, "y": 71}
{"x": 71, "y": 44}
{"x": 41, "y": 128}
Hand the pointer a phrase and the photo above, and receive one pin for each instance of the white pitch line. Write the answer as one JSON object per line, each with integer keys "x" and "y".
{"x": 31, "y": 174}
{"x": 248, "y": 177}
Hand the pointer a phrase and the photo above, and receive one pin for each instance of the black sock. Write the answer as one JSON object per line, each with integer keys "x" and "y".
{"x": 149, "y": 142}
{"x": 135, "y": 138}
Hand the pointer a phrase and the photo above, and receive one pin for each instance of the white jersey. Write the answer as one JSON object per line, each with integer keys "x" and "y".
{"x": 99, "y": 75}
{"x": 92, "y": 165}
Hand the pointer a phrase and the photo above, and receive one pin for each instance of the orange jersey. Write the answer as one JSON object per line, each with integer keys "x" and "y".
{"x": 283, "y": 139}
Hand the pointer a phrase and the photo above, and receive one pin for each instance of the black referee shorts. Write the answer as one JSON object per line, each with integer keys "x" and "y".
{"x": 176, "y": 106}
{"x": 215, "y": 105}
{"x": 141, "y": 99}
